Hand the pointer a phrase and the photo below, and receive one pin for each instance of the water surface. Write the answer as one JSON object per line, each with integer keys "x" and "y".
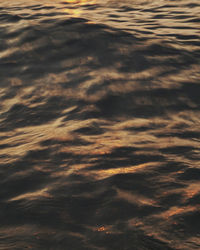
{"x": 100, "y": 125}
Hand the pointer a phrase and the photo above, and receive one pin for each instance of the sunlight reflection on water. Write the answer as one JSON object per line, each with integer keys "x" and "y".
{"x": 99, "y": 124}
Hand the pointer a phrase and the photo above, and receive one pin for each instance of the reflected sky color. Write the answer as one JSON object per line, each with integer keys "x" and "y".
{"x": 99, "y": 125}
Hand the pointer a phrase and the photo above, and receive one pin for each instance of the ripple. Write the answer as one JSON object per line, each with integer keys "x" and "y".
{"x": 99, "y": 124}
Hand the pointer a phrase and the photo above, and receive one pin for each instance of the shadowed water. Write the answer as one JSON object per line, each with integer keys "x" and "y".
{"x": 100, "y": 125}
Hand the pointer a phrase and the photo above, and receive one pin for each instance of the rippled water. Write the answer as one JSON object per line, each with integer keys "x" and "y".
{"x": 100, "y": 125}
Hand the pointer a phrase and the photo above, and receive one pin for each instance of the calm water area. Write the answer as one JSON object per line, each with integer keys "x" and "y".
{"x": 100, "y": 125}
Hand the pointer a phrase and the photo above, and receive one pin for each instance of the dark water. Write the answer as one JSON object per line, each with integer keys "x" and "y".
{"x": 100, "y": 125}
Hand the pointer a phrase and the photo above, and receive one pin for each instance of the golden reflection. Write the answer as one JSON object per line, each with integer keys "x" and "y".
{"x": 72, "y": 169}
{"x": 75, "y": 6}
{"x": 107, "y": 229}
{"x": 27, "y": 139}
{"x": 137, "y": 199}
{"x": 178, "y": 211}
{"x": 73, "y": 12}
{"x": 105, "y": 173}
{"x": 101, "y": 229}
{"x": 80, "y": 1}
{"x": 192, "y": 190}
{"x": 116, "y": 135}
{"x": 140, "y": 22}
{"x": 8, "y": 53}
{"x": 33, "y": 195}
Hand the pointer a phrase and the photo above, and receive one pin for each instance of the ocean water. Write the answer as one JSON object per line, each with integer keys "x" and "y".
{"x": 100, "y": 125}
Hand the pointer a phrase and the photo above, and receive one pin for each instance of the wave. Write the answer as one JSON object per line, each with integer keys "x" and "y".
{"x": 99, "y": 125}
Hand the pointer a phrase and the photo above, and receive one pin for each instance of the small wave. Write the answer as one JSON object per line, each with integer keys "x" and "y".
{"x": 99, "y": 125}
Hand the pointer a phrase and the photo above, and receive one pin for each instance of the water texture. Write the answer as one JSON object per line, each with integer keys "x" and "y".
{"x": 100, "y": 125}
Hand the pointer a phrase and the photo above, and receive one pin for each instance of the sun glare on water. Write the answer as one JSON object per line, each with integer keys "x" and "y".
{"x": 72, "y": 8}
{"x": 80, "y": 2}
